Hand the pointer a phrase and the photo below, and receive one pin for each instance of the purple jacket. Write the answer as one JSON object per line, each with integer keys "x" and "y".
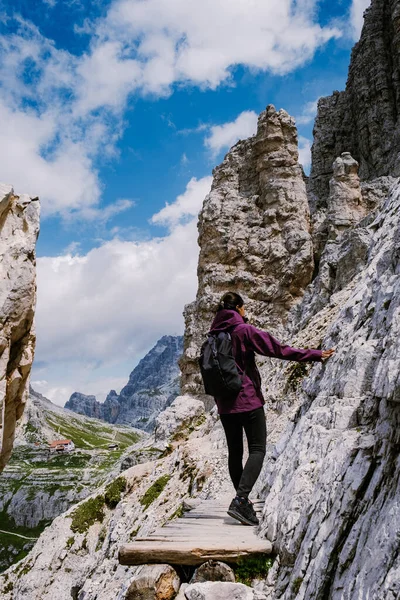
{"x": 246, "y": 341}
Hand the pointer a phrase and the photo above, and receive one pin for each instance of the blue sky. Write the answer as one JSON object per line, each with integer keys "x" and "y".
{"x": 113, "y": 110}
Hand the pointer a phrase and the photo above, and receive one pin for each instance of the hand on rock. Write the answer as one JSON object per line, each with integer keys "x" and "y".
{"x": 327, "y": 353}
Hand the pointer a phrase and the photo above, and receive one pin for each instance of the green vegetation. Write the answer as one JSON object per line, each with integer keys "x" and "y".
{"x": 21, "y": 545}
{"x": 70, "y": 460}
{"x": 108, "y": 459}
{"x": 168, "y": 450}
{"x": 297, "y": 584}
{"x": 8, "y": 587}
{"x": 23, "y": 569}
{"x": 89, "y": 435}
{"x": 178, "y": 513}
{"x": 101, "y": 538}
{"x": 296, "y": 375}
{"x": 32, "y": 434}
{"x": 183, "y": 432}
{"x": 33, "y": 470}
{"x": 252, "y": 567}
{"x": 134, "y": 533}
{"x": 70, "y": 541}
{"x": 154, "y": 491}
{"x": 113, "y": 491}
{"x": 87, "y": 513}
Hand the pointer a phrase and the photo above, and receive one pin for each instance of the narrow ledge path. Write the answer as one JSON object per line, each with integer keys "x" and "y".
{"x": 205, "y": 533}
{"x": 18, "y": 535}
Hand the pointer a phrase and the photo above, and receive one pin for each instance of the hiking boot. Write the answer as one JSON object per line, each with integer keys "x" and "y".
{"x": 242, "y": 510}
{"x": 252, "y": 507}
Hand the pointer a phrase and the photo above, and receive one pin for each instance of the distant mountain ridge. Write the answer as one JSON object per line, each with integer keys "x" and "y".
{"x": 153, "y": 385}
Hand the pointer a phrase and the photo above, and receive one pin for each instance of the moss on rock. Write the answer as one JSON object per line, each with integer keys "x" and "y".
{"x": 252, "y": 567}
{"x": 154, "y": 491}
{"x": 87, "y": 513}
{"x": 113, "y": 491}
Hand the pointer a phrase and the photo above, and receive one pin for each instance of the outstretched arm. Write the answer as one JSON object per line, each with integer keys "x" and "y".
{"x": 265, "y": 344}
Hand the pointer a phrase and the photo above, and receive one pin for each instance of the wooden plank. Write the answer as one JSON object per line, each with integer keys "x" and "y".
{"x": 206, "y": 532}
{"x": 234, "y": 534}
{"x": 189, "y": 553}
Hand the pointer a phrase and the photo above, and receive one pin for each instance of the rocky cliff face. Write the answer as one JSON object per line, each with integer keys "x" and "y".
{"x": 254, "y": 235}
{"x": 19, "y": 229}
{"x": 331, "y": 482}
{"x": 152, "y": 386}
{"x": 85, "y": 405}
{"x": 364, "y": 119}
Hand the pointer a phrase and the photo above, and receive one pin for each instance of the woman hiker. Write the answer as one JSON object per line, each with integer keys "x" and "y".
{"x": 246, "y": 410}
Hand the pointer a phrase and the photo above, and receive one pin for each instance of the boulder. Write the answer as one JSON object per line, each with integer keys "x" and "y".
{"x": 217, "y": 590}
{"x": 184, "y": 413}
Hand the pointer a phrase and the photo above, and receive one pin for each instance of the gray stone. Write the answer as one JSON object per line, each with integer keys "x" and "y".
{"x": 181, "y": 593}
{"x": 184, "y": 413}
{"x": 219, "y": 591}
{"x": 332, "y": 472}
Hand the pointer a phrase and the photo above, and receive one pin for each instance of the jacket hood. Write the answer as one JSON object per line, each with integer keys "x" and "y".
{"x": 226, "y": 319}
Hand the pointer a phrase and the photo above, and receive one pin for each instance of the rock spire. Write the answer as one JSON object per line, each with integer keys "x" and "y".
{"x": 254, "y": 235}
{"x": 19, "y": 228}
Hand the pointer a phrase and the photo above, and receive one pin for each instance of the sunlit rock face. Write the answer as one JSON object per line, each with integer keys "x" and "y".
{"x": 332, "y": 481}
{"x": 19, "y": 228}
{"x": 254, "y": 235}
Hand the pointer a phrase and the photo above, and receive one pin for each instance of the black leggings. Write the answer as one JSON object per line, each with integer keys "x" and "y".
{"x": 253, "y": 423}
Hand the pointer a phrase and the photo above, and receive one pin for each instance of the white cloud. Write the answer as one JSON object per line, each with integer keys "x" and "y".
{"x": 305, "y": 152}
{"x": 224, "y": 136}
{"x": 66, "y": 180}
{"x": 308, "y": 113}
{"x": 186, "y": 205}
{"x": 107, "y": 306}
{"x": 106, "y": 213}
{"x": 356, "y": 16}
{"x": 201, "y": 40}
{"x": 71, "y": 112}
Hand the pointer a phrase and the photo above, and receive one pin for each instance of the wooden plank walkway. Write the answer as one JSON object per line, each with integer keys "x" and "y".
{"x": 205, "y": 533}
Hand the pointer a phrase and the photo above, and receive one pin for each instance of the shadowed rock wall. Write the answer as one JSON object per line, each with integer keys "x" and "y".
{"x": 364, "y": 119}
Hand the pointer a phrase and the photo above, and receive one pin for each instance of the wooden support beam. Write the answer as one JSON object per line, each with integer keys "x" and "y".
{"x": 189, "y": 553}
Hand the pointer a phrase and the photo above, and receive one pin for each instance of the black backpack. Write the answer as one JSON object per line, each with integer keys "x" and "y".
{"x": 218, "y": 368}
